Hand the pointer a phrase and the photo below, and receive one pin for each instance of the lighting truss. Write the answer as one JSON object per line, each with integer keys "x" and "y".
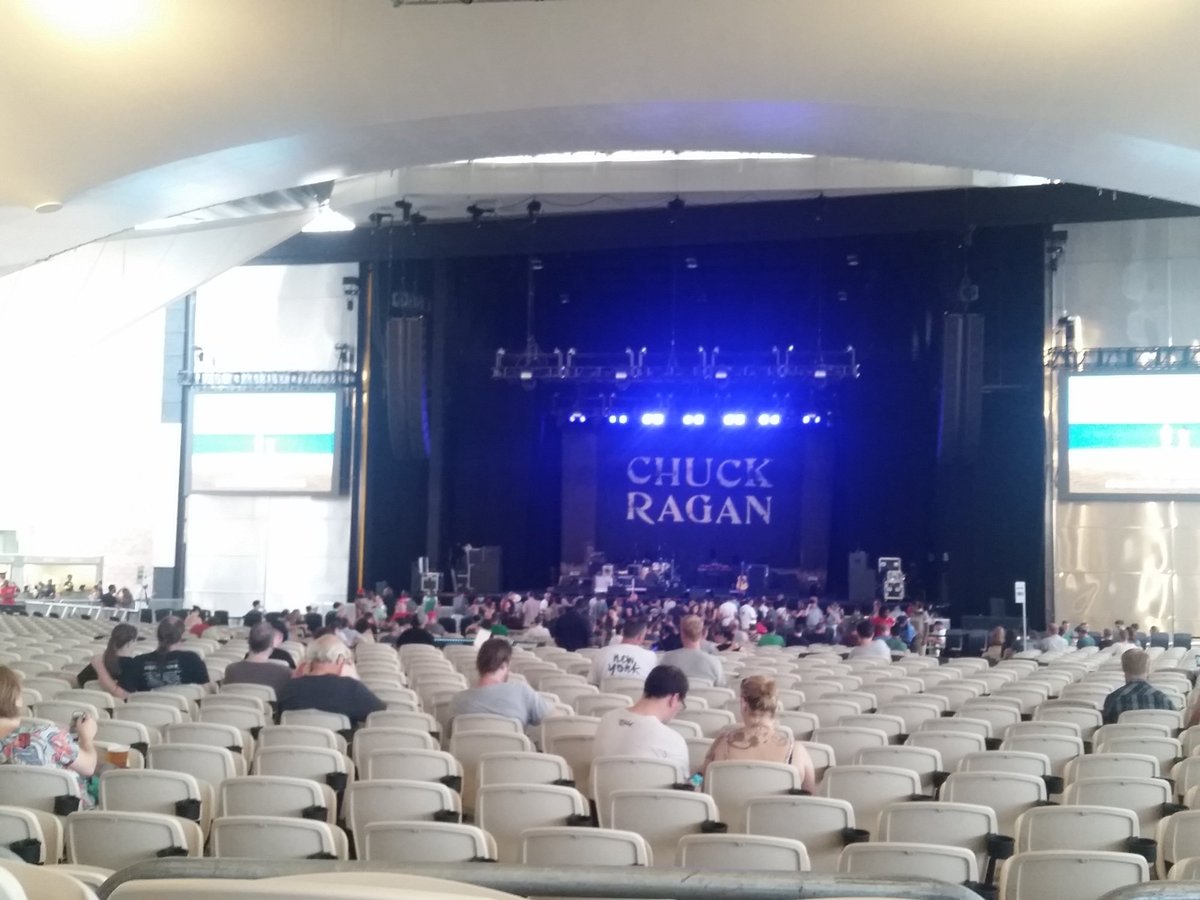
{"x": 642, "y": 367}
{"x": 1128, "y": 359}
{"x": 283, "y": 382}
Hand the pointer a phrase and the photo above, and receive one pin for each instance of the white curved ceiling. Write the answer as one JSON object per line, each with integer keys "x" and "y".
{"x": 174, "y": 105}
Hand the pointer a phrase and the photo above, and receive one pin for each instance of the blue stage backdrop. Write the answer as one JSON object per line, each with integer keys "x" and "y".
{"x": 711, "y": 494}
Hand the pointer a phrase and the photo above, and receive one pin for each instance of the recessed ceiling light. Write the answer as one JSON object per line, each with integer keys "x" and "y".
{"x": 50, "y": 206}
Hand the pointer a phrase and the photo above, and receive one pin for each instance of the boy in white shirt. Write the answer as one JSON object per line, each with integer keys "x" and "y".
{"x": 641, "y": 730}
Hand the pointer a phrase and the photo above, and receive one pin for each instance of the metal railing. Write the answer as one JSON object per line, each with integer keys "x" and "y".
{"x": 1159, "y": 890}
{"x": 575, "y": 881}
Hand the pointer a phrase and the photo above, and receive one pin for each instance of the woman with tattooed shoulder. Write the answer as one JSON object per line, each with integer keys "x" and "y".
{"x": 758, "y": 738}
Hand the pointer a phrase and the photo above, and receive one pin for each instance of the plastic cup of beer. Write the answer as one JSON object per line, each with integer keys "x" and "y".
{"x": 117, "y": 755}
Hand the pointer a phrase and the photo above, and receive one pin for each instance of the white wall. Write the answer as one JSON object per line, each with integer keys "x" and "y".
{"x": 1134, "y": 284}
{"x": 285, "y": 551}
{"x": 87, "y": 467}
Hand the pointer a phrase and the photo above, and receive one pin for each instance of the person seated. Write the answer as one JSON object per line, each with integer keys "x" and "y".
{"x": 194, "y": 624}
{"x": 257, "y": 667}
{"x": 769, "y": 638}
{"x": 1125, "y": 640}
{"x": 1136, "y": 693}
{"x": 414, "y": 633}
{"x": 758, "y": 738}
{"x": 1083, "y": 637}
{"x": 329, "y": 682}
{"x": 168, "y": 664}
{"x": 627, "y": 659}
{"x": 868, "y": 646}
{"x": 641, "y": 730}
{"x": 494, "y": 694}
{"x": 26, "y": 743}
{"x": 1054, "y": 642}
{"x": 998, "y": 647}
{"x": 115, "y": 663}
{"x": 691, "y": 658}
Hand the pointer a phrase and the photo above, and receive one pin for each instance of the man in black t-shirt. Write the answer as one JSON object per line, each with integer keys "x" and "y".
{"x": 109, "y": 597}
{"x": 330, "y": 684}
{"x": 252, "y": 618}
{"x": 416, "y": 633}
{"x": 312, "y": 620}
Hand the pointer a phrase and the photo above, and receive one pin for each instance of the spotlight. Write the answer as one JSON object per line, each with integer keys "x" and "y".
{"x": 577, "y": 417}
{"x": 526, "y": 375}
{"x": 733, "y": 419}
{"x": 618, "y": 419}
{"x": 621, "y": 375}
{"x": 693, "y": 418}
{"x": 654, "y": 419}
{"x": 766, "y": 419}
{"x": 820, "y": 373}
{"x": 720, "y": 374}
{"x": 811, "y": 419}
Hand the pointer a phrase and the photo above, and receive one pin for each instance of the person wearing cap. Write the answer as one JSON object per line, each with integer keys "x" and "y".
{"x": 330, "y": 683}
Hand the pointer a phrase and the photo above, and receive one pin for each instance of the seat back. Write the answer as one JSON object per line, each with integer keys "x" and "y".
{"x": 413, "y": 765}
{"x": 869, "y": 789}
{"x": 38, "y": 787}
{"x": 399, "y": 800}
{"x": 210, "y": 765}
{"x": 316, "y": 718}
{"x": 566, "y": 846}
{"x": 276, "y": 795}
{"x": 819, "y": 823}
{"x": 1178, "y": 838}
{"x": 1058, "y": 748}
{"x": 847, "y": 741}
{"x": 468, "y": 747}
{"x": 424, "y": 842}
{"x": 1111, "y": 765}
{"x": 734, "y": 783}
{"x": 156, "y": 791}
{"x": 952, "y": 745}
{"x": 662, "y": 817}
{"x": 1008, "y": 794}
{"x": 1069, "y": 874}
{"x": 523, "y": 768}
{"x": 35, "y": 836}
{"x": 612, "y": 773}
{"x": 1076, "y": 828}
{"x": 276, "y": 837}
{"x": 301, "y": 736}
{"x": 1144, "y": 796}
{"x": 368, "y": 740}
{"x": 744, "y": 852}
{"x": 965, "y": 825}
{"x": 924, "y": 761}
{"x": 114, "y": 840}
{"x": 319, "y": 764}
{"x": 951, "y": 864}
{"x": 506, "y": 810}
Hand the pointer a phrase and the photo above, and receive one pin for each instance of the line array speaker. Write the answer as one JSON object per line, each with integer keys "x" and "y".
{"x": 407, "y": 404}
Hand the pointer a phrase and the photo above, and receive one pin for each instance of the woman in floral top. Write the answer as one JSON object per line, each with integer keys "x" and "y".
{"x": 34, "y": 744}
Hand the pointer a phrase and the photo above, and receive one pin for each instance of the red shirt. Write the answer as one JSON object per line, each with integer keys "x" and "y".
{"x": 8, "y": 594}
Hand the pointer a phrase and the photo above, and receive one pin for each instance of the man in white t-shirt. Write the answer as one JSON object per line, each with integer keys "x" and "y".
{"x": 747, "y": 617}
{"x": 868, "y": 646}
{"x": 641, "y": 730}
{"x": 728, "y": 611}
{"x": 1054, "y": 642}
{"x": 628, "y": 659}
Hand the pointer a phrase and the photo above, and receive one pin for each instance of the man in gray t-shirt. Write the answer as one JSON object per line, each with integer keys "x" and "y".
{"x": 495, "y": 695}
{"x": 690, "y": 658}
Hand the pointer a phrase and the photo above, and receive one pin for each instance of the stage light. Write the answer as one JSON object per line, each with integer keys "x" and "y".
{"x": 811, "y": 419}
{"x": 769, "y": 419}
{"x": 622, "y": 419}
{"x": 733, "y": 419}
{"x": 720, "y": 374}
{"x": 654, "y": 419}
{"x": 621, "y": 375}
{"x": 577, "y": 417}
{"x": 693, "y": 418}
{"x": 820, "y": 374}
{"x": 526, "y": 375}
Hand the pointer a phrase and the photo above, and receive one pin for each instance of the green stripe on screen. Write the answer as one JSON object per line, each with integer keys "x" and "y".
{"x": 270, "y": 443}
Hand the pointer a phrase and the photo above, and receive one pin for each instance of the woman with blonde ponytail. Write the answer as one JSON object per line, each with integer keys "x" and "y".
{"x": 758, "y": 737}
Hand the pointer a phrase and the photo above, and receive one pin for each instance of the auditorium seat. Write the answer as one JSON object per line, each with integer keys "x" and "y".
{"x": 612, "y": 773}
{"x": 1058, "y": 748}
{"x": 212, "y": 734}
{"x": 847, "y": 741}
{"x": 469, "y": 747}
{"x": 733, "y": 783}
{"x": 1069, "y": 874}
{"x": 60, "y": 712}
{"x": 1146, "y": 797}
{"x": 247, "y": 720}
{"x": 741, "y": 852}
{"x": 913, "y": 710}
{"x": 399, "y": 800}
{"x": 662, "y": 817}
{"x": 41, "y": 883}
{"x": 413, "y": 719}
{"x": 1008, "y": 794}
{"x": 955, "y": 865}
{"x": 1076, "y": 828}
{"x": 698, "y": 748}
{"x": 869, "y": 789}
{"x": 300, "y": 736}
{"x": 801, "y": 723}
{"x": 277, "y": 795}
{"x": 158, "y": 791}
{"x": 1178, "y": 838}
{"x": 1167, "y": 751}
{"x": 965, "y": 825}
{"x": 316, "y": 719}
{"x": 506, "y": 810}
{"x": 891, "y": 726}
{"x": 33, "y": 835}
{"x": 1112, "y": 765}
{"x": 566, "y": 846}
{"x": 819, "y": 823}
{"x": 115, "y": 840}
{"x": 424, "y": 842}
{"x": 320, "y": 764}
{"x": 597, "y": 705}
{"x": 263, "y": 692}
{"x": 276, "y": 837}
{"x": 39, "y": 787}
{"x": 517, "y": 767}
{"x": 416, "y": 765}
{"x": 210, "y": 765}
{"x": 472, "y": 722}
{"x": 155, "y": 716}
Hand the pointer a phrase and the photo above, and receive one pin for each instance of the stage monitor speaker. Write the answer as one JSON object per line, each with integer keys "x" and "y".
{"x": 485, "y": 569}
{"x": 407, "y": 407}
